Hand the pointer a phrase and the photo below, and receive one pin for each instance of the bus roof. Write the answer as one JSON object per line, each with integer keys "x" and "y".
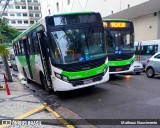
{"x": 115, "y": 20}
{"x": 26, "y": 31}
{"x": 71, "y": 13}
{"x": 38, "y": 24}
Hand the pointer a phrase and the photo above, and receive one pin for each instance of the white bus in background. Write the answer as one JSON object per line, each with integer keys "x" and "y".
{"x": 145, "y": 49}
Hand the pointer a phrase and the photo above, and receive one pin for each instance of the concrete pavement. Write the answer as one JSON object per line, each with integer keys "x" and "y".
{"x": 22, "y": 104}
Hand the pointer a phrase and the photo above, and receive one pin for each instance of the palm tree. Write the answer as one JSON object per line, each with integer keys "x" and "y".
{"x": 3, "y": 53}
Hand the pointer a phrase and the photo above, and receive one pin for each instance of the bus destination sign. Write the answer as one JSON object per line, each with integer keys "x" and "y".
{"x": 115, "y": 24}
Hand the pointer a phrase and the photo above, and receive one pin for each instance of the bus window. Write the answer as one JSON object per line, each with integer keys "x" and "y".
{"x": 22, "y": 47}
{"x": 14, "y": 48}
{"x": 18, "y": 48}
{"x": 31, "y": 46}
{"x": 27, "y": 45}
{"x": 35, "y": 43}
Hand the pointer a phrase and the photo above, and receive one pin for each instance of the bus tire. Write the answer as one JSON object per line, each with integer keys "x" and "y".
{"x": 44, "y": 82}
{"x": 25, "y": 75}
{"x": 150, "y": 72}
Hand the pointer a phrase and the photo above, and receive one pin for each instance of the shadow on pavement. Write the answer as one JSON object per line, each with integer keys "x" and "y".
{"x": 94, "y": 90}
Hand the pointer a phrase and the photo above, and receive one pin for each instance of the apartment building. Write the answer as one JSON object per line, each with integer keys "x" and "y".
{"x": 144, "y": 13}
{"x": 21, "y": 13}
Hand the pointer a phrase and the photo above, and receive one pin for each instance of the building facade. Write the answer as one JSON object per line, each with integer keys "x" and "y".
{"x": 144, "y": 13}
{"x": 21, "y": 13}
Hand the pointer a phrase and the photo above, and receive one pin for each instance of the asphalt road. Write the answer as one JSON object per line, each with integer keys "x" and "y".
{"x": 123, "y": 97}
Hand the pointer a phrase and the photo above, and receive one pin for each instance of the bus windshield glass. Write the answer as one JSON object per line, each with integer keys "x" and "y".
{"x": 77, "y": 45}
{"x": 120, "y": 40}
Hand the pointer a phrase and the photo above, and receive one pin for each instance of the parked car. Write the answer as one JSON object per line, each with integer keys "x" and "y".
{"x": 153, "y": 66}
{"x": 138, "y": 67}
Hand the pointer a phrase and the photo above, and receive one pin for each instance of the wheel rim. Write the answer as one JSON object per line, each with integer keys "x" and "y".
{"x": 150, "y": 72}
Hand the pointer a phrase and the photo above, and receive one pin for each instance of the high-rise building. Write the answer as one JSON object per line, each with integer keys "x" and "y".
{"x": 145, "y": 14}
{"x": 21, "y": 13}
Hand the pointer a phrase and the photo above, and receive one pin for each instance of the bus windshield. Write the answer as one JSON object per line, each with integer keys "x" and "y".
{"x": 77, "y": 45}
{"x": 120, "y": 40}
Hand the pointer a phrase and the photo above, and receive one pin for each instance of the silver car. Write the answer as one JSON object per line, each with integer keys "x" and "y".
{"x": 153, "y": 66}
{"x": 138, "y": 67}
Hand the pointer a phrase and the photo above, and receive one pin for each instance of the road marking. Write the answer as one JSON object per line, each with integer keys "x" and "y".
{"x": 44, "y": 106}
{"x": 30, "y": 113}
{"x": 58, "y": 116}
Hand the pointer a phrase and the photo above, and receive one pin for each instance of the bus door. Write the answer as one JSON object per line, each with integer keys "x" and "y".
{"x": 27, "y": 50}
{"x": 45, "y": 57}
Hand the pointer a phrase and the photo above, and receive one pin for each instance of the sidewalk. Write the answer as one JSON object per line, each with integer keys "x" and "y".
{"x": 20, "y": 102}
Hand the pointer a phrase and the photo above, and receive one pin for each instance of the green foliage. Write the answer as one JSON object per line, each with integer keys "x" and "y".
{"x": 3, "y": 50}
{"x": 7, "y": 33}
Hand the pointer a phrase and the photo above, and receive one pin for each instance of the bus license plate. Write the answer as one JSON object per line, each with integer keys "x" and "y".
{"x": 118, "y": 69}
{"x": 88, "y": 81}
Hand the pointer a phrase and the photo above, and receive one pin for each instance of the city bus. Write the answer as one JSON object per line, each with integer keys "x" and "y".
{"x": 144, "y": 50}
{"x": 120, "y": 46}
{"x": 64, "y": 52}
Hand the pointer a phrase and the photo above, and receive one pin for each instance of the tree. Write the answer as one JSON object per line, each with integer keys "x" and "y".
{"x": 3, "y": 53}
{"x": 7, "y": 34}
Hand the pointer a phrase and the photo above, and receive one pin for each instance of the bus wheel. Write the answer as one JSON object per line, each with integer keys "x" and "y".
{"x": 150, "y": 72}
{"x": 25, "y": 75}
{"x": 44, "y": 83}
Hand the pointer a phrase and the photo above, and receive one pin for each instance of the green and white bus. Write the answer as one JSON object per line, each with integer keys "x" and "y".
{"x": 120, "y": 45}
{"x": 64, "y": 51}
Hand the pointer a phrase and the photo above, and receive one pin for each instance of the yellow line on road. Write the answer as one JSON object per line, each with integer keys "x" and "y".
{"x": 58, "y": 116}
{"x": 29, "y": 113}
{"x": 38, "y": 109}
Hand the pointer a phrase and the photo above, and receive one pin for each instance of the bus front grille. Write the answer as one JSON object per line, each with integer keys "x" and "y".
{"x": 82, "y": 81}
{"x": 117, "y": 69}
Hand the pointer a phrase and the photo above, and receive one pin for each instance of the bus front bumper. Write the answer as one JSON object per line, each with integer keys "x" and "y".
{"x": 131, "y": 69}
{"x": 60, "y": 85}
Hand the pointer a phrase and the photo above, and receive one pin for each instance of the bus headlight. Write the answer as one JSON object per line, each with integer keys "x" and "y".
{"x": 132, "y": 62}
{"x": 58, "y": 75}
{"x": 64, "y": 78}
{"x": 106, "y": 69}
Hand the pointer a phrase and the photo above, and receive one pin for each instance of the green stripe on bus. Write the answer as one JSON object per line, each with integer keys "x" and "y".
{"x": 32, "y": 59}
{"x": 120, "y": 63}
{"x": 23, "y": 61}
{"x": 84, "y": 74}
